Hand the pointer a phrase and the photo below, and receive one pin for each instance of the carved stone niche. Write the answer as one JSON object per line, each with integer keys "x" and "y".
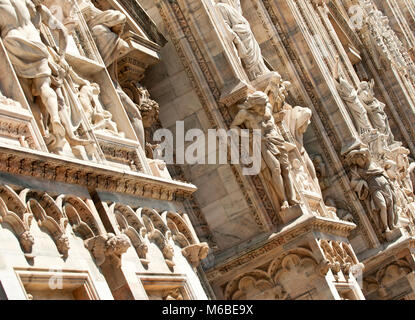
{"x": 383, "y": 284}
{"x": 103, "y": 128}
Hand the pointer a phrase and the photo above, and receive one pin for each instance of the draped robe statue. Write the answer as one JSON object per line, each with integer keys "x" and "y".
{"x": 370, "y": 182}
{"x": 256, "y": 113}
{"x": 247, "y": 46}
{"x": 350, "y": 96}
{"x": 107, "y": 27}
{"x": 298, "y": 120}
{"x": 19, "y": 25}
{"x": 375, "y": 109}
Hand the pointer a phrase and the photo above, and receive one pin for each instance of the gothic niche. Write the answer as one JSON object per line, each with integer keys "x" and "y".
{"x": 47, "y": 79}
{"x": 380, "y": 168}
{"x": 378, "y": 283}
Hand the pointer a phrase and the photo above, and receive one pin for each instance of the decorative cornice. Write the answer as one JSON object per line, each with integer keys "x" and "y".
{"x": 282, "y": 237}
{"x": 41, "y": 165}
{"x": 384, "y": 253}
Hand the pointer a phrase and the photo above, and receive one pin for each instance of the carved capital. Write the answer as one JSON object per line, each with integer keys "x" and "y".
{"x": 108, "y": 246}
{"x": 195, "y": 253}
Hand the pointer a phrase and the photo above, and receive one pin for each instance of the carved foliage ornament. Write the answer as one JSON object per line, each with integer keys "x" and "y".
{"x": 275, "y": 283}
{"x": 145, "y": 225}
{"x": 340, "y": 259}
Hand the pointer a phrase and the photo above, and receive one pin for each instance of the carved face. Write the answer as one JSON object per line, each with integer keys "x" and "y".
{"x": 391, "y": 170}
{"x": 27, "y": 241}
{"x": 118, "y": 244}
{"x": 360, "y": 161}
{"x": 260, "y": 109}
{"x": 365, "y": 92}
{"x": 168, "y": 251}
{"x": 63, "y": 244}
{"x": 296, "y": 164}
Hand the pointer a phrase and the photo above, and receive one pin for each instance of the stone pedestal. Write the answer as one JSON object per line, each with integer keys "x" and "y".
{"x": 290, "y": 214}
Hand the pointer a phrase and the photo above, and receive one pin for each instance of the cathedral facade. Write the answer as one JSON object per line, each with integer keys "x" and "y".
{"x": 112, "y": 188}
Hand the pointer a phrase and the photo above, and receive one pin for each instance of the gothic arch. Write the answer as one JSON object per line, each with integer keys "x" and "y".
{"x": 50, "y": 217}
{"x": 181, "y": 232}
{"x": 131, "y": 225}
{"x": 13, "y": 211}
{"x": 80, "y": 216}
{"x": 158, "y": 232}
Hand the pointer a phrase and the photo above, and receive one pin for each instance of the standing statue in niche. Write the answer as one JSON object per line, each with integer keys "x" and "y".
{"x": 107, "y": 27}
{"x": 242, "y": 36}
{"x": 375, "y": 109}
{"x": 351, "y": 97}
{"x": 277, "y": 92}
{"x": 371, "y": 183}
{"x": 19, "y": 25}
{"x": 256, "y": 113}
{"x": 301, "y": 176}
{"x": 298, "y": 119}
{"x": 149, "y": 110}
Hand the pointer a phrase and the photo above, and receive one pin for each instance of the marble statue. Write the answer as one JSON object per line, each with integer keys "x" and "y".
{"x": 298, "y": 120}
{"x": 301, "y": 176}
{"x": 65, "y": 82}
{"x": 149, "y": 110}
{"x": 29, "y": 55}
{"x": 375, "y": 109}
{"x": 242, "y": 36}
{"x": 351, "y": 97}
{"x": 277, "y": 92}
{"x": 256, "y": 113}
{"x": 100, "y": 119}
{"x": 107, "y": 27}
{"x": 370, "y": 182}
{"x": 403, "y": 199}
